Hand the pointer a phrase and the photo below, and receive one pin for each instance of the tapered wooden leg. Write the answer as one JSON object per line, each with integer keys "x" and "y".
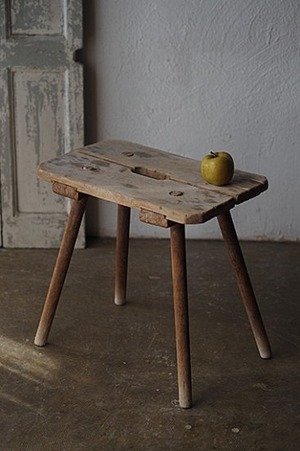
{"x": 180, "y": 296}
{"x": 244, "y": 284}
{"x": 60, "y": 270}
{"x": 122, "y": 243}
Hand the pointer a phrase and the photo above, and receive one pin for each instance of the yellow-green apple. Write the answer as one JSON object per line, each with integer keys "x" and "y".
{"x": 217, "y": 168}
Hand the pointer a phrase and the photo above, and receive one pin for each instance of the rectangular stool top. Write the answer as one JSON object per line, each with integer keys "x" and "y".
{"x": 152, "y": 180}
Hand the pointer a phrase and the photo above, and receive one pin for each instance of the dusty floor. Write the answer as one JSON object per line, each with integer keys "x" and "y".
{"x": 107, "y": 379}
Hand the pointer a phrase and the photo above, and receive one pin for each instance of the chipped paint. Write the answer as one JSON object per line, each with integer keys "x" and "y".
{"x": 43, "y": 17}
{"x": 41, "y": 113}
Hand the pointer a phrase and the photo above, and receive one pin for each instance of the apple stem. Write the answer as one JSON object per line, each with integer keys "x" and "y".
{"x": 213, "y": 154}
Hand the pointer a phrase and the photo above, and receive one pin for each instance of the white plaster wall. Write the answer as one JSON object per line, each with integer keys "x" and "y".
{"x": 191, "y": 76}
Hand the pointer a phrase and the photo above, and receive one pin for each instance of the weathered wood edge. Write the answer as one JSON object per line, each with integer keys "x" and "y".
{"x": 86, "y": 189}
{"x": 236, "y": 192}
{"x": 67, "y": 191}
{"x": 150, "y": 217}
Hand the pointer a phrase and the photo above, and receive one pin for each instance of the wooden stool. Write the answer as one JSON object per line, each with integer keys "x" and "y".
{"x": 169, "y": 192}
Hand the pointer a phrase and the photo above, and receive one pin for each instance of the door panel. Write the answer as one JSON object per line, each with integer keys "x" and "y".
{"x": 41, "y": 109}
{"x": 38, "y": 111}
{"x": 33, "y": 18}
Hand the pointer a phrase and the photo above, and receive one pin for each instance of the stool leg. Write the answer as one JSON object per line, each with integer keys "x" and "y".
{"x": 122, "y": 244}
{"x": 244, "y": 284}
{"x": 60, "y": 270}
{"x": 178, "y": 256}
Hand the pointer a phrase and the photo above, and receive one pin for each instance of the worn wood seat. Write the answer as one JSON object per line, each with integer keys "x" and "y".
{"x": 169, "y": 192}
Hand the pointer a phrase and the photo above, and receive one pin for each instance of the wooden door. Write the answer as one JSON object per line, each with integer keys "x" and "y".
{"x": 41, "y": 111}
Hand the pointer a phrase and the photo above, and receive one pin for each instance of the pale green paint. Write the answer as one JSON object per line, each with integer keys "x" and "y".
{"x": 41, "y": 107}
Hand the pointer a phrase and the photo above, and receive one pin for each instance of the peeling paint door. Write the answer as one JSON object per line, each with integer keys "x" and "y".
{"x": 41, "y": 113}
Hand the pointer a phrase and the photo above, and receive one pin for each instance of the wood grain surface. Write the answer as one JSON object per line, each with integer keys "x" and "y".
{"x": 150, "y": 179}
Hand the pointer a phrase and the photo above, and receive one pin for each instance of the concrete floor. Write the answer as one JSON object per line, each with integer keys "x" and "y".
{"x": 107, "y": 379}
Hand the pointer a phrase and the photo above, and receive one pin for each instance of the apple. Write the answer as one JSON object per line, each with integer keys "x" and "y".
{"x": 217, "y": 168}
